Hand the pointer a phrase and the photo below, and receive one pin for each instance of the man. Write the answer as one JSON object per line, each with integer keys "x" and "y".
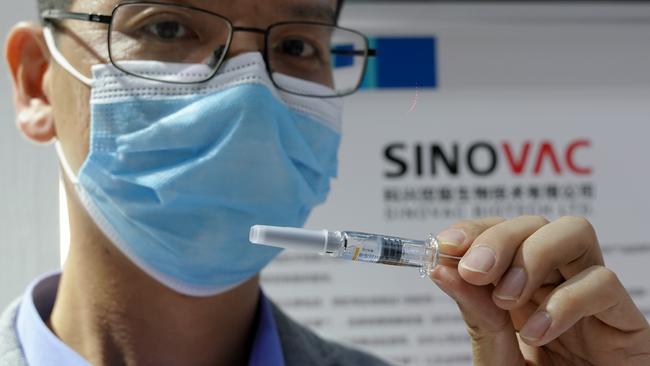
{"x": 181, "y": 123}
{"x": 188, "y": 301}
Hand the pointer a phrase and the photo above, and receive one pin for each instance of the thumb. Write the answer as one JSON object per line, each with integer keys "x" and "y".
{"x": 494, "y": 340}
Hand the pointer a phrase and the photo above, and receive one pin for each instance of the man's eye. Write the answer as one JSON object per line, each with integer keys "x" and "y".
{"x": 297, "y": 48}
{"x": 168, "y": 30}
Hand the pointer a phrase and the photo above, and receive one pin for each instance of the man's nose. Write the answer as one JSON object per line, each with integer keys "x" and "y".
{"x": 246, "y": 40}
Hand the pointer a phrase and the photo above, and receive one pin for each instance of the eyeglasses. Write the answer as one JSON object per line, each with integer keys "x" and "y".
{"x": 181, "y": 36}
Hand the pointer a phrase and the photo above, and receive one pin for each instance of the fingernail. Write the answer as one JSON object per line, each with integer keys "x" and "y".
{"x": 453, "y": 237}
{"x": 444, "y": 286}
{"x": 511, "y": 285}
{"x": 435, "y": 275}
{"x": 536, "y": 326}
{"x": 479, "y": 259}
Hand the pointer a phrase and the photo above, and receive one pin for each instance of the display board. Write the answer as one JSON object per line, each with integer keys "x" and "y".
{"x": 539, "y": 109}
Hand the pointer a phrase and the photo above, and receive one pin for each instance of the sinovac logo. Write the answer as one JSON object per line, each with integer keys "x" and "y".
{"x": 483, "y": 158}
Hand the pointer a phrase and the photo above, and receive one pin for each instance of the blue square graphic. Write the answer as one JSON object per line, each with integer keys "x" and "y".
{"x": 406, "y": 62}
{"x": 346, "y": 56}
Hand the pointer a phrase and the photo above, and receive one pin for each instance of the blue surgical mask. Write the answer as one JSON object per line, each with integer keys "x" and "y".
{"x": 177, "y": 174}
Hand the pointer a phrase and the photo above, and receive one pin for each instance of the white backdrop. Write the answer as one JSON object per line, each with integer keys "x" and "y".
{"x": 571, "y": 82}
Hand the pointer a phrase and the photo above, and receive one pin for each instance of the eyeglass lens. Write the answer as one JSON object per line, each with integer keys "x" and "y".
{"x": 190, "y": 44}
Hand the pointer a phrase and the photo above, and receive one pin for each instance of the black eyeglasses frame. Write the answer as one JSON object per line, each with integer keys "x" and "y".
{"x": 52, "y": 15}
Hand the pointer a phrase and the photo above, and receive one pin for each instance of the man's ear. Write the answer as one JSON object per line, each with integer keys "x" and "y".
{"x": 28, "y": 60}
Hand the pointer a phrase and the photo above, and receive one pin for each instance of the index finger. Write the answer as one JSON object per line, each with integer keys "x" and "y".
{"x": 456, "y": 239}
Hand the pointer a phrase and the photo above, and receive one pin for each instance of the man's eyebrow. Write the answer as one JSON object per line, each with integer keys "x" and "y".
{"x": 320, "y": 12}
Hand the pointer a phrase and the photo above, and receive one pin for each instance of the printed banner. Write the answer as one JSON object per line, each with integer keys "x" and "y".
{"x": 540, "y": 153}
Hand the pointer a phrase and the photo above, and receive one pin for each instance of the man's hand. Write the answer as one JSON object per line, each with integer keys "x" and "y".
{"x": 537, "y": 292}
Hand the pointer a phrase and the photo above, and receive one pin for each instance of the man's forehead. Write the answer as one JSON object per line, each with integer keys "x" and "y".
{"x": 323, "y": 10}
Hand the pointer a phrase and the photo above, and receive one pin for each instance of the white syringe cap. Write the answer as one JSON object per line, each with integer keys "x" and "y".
{"x": 292, "y": 238}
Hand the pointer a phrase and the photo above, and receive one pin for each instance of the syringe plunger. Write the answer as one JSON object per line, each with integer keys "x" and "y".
{"x": 294, "y": 238}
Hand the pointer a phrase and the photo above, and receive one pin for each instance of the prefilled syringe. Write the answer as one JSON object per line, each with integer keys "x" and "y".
{"x": 355, "y": 246}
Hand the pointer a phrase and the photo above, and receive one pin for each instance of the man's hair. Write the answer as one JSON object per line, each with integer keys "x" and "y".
{"x": 63, "y": 4}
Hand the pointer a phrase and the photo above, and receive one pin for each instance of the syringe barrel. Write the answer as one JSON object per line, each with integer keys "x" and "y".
{"x": 354, "y": 246}
{"x": 384, "y": 249}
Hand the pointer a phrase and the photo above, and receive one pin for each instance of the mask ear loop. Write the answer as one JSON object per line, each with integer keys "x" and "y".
{"x": 67, "y": 170}
{"x": 60, "y": 59}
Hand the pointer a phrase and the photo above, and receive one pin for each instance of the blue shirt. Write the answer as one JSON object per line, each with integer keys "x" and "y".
{"x": 43, "y": 348}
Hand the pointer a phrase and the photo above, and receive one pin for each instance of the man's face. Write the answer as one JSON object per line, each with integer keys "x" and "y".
{"x": 85, "y": 44}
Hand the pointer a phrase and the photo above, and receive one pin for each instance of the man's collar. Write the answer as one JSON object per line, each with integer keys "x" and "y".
{"x": 42, "y": 347}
